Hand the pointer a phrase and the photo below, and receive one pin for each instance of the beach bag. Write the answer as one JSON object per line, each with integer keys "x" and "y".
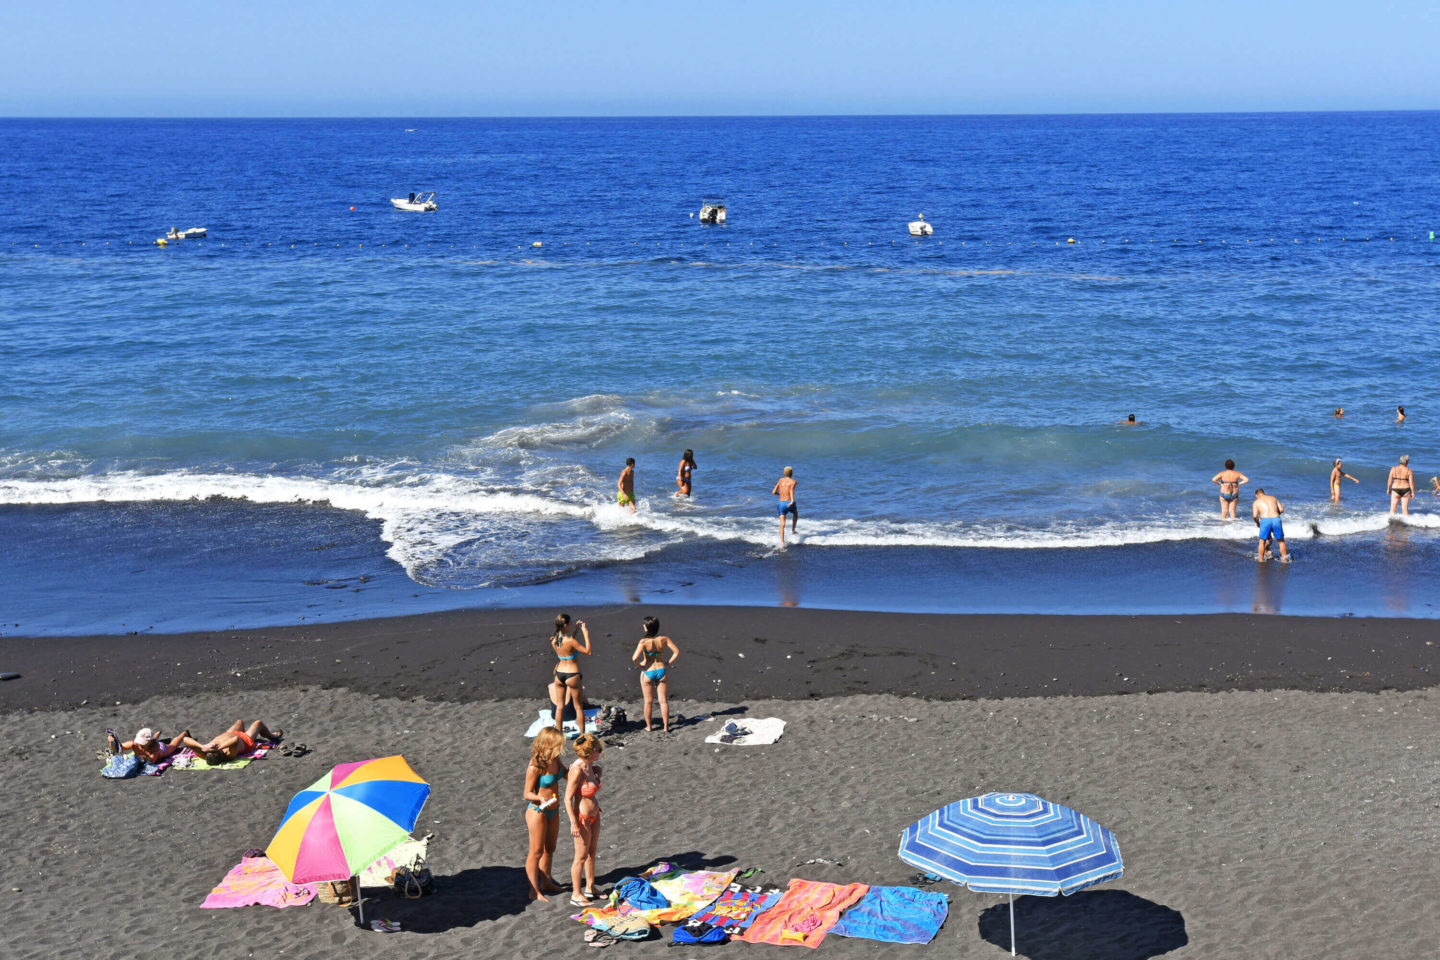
{"x": 414, "y": 881}
{"x": 629, "y": 927}
{"x": 122, "y": 766}
{"x": 700, "y": 932}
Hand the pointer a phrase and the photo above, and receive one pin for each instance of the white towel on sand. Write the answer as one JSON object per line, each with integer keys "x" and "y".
{"x": 749, "y": 732}
{"x": 571, "y": 730}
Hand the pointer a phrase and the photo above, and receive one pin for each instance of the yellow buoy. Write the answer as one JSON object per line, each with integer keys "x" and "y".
{"x": 1071, "y": 240}
{"x": 537, "y": 243}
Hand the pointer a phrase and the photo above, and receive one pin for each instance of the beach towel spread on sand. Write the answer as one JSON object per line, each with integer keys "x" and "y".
{"x": 895, "y": 915}
{"x": 688, "y": 893}
{"x": 744, "y": 733}
{"x": 197, "y": 762}
{"x": 571, "y": 728}
{"x": 804, "y": 914}
{"x": 255, "y": 880}
{"x": 738, "y": 906}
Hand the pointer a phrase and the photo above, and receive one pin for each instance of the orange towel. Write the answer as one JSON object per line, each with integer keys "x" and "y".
{"x": 804, "y": 914}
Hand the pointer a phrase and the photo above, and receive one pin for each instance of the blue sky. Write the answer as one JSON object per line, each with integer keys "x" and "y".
{"x": 442, "y": 58}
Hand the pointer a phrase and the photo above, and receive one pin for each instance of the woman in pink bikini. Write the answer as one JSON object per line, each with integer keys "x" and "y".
{"x": 581, "y": 786}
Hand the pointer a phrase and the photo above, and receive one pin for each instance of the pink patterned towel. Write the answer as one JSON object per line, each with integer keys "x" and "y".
{"x": 257, "y": 880}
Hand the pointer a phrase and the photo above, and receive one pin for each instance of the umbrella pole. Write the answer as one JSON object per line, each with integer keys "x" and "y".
{"x": 1012, "y": 924}
{"x": 360, "y": 902}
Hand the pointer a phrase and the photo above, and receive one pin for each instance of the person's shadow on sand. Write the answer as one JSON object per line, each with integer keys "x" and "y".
{"x": 460, "y": 900}
{"x": 1095, "y": 924}
{"x": 689, "y": 860}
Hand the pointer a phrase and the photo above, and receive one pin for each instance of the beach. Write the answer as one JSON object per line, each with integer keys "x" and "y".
{"x": 1270, "y": 780}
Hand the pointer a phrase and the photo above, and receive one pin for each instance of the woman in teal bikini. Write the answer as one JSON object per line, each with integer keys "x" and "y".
{"x": 650, "y": 655}
{"x": 542, "y": 810}
{"x": 566, "y": 685}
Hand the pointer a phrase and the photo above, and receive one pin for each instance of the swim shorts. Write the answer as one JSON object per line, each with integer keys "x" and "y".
{"x": 786, "y": 506}
{"x": 1270, "y": 527}
{"x": 624, "y": 499}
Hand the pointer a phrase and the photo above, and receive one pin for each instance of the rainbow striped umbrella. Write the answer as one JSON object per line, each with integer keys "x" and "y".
{"x": 348, "y": 819}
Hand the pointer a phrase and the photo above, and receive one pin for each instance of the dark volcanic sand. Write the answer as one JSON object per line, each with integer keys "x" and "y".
{"x": 745, "y": 653}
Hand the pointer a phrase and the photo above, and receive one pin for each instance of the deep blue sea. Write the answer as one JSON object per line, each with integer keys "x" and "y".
{"x": 331, "y": 408}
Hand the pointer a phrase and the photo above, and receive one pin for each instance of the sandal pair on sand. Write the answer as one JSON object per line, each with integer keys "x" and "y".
{"x": 599, "y": 938}
{"x": 293, "y": 750}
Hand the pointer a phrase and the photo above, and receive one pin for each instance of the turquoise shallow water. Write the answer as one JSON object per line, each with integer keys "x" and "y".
{"x": 464, "y": 399}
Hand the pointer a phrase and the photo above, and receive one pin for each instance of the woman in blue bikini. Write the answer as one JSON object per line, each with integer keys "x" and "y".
{"x": 650, "y": 655}
{"x": 542, "y": 810}
{"x": 566, "y": 685}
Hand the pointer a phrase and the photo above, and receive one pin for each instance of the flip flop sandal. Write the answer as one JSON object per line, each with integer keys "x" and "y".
{"x": 575, "y": 902}
{"x": 601, "y": 939}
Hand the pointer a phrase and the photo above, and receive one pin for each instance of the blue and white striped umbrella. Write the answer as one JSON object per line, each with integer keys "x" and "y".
{"x": 1013, "y": 843}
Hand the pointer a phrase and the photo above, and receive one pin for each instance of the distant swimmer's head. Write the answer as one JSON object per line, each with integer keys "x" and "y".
{"x": 1130, "y": 419}
{"x": 1339, "y": 411}
{"x": 789, "y": 471}
{"x": 629, "y": 461}
{"x": 1400, "y": 410}
{"x": 1405, "y": 458}
{"x": 651, "y": 625}
{"x": 1229, "y": 464}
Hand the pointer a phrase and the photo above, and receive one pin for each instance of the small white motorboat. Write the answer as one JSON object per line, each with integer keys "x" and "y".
{"x": 919, "y": 228}
{"x": 416, "y": 201}
{"x": 175, "y": 233}
{"x": 712, "y": 210}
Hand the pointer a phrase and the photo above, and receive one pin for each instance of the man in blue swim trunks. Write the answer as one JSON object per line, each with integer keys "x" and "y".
{"x": 1267, "y": 512}
{"x": 785, "y": 490}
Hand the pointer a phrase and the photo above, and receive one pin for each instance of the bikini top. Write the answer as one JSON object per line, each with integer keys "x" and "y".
{"x": 556, "y": 645}
{"x": 590, "y": 787}
{"x": 654, "y": 654}
{"x": 548, "y": 780}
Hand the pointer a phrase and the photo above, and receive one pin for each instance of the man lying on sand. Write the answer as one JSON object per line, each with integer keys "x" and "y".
{"x": 232, "y": 743}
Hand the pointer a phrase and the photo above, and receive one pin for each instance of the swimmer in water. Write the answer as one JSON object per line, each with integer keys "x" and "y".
{"x": 785, "y": 490}
{"x": 1336, "y": 474}
{"x": 1229, "y": 480}
{"x": 1401, "y": 486}
{"x": 1130, "y": 421}
{"x": 1399, "y": 414}
{"x": 1339, "y": 411}
{"x": 1435, "y": 486}
{"x": 1266, "y": 512}
{"x": 682, "y": 475}
{"x": 625, "y": 486}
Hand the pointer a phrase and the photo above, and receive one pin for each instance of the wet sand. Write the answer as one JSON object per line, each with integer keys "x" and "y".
{"x": 1288, "y": 807}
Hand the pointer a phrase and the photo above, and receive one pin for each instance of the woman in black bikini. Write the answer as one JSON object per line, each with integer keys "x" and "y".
{"x": 682, "y": 475}
{"x": 567, "y": 672}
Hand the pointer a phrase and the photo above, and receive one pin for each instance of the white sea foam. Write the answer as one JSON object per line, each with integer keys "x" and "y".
{"x": 431, "y": 520}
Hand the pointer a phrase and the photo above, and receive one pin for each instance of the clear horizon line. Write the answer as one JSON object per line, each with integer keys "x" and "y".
{"x": 714, "y": 116}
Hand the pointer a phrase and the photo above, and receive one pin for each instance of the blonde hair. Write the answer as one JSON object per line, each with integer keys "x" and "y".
{"x": 789, "y": 471}
{"x": 546, "y": 748}
{"x": 587, "y": 745}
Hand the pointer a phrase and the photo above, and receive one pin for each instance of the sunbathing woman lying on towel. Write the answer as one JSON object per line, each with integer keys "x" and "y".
{"x": 232, "y": 743}
{"x": 147, "y": 744}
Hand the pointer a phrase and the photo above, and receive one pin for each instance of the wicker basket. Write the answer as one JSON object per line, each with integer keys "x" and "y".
{"x": 338, "y": 892}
